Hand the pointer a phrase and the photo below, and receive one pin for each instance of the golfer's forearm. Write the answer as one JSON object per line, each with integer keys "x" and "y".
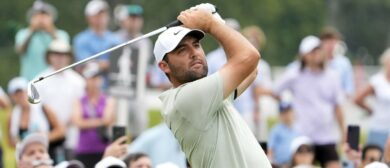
{"x": 247, "y": 82}
{"x": 236, "y": 46}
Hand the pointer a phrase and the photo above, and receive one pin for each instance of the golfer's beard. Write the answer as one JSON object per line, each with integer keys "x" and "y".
{"x": 188, "y": 76}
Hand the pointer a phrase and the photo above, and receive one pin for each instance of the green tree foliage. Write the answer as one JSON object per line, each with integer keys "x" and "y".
{"x": 285, "y": 23}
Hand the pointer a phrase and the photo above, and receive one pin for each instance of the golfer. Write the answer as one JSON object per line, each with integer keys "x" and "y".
{"x": 198, "y": 109}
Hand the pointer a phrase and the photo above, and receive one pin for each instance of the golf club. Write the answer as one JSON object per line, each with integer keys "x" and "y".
{"x": 32, "y": 92}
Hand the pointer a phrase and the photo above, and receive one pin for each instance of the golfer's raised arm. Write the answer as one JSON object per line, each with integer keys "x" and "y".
{"x": 242, "y": 57}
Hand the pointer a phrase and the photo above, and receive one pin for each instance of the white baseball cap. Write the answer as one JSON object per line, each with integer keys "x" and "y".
{"x": 169, "y": 39}
{"x": 376, "y": 165}
{"x": 91, "y": 70}
{"x": 17, "y": 83}
{"x": 299, "y": 141}
{"x": 167, "y": 165}
{"x": 59, "y": 46}
{"x": 308, "y": 44}
{"x": 29, "y": 139}
{"x": 95, "y": 6}
{"x": 110, "y": 161}
{"x": 70, "y": 164}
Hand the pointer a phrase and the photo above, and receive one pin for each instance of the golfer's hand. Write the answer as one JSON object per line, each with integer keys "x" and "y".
{"x": 198, "y": 19}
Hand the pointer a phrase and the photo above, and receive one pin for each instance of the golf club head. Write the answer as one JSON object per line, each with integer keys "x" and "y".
{"x": 32, "y": 93}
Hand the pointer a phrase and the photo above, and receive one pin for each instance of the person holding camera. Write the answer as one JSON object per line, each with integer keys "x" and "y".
{"x": 32, "y": 42}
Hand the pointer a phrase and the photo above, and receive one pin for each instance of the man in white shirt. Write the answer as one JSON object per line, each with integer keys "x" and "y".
{"x": 199, "y": 109}
{"x": 61, "y": 91}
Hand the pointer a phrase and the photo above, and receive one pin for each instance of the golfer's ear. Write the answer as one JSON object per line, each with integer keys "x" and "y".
{"x": 163, "y": 65}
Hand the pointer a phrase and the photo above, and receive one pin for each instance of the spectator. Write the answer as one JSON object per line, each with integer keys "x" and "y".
{"x": 60, "y": 91}
{"x": 317, "y": 98}
{"x": 28, "y": 118}
{"x": 32, "y": 152}
{"x": 160, "y": 145}
{"x": 96, "y": 37}
{"x": 370, "y": 154}
{"x": 128, "y": 70}
{"x": 31, "y": 43}
{"x": 93, "y": 114}
{"x": 281, "y": 137}
{"x": 138, "y": 160}
{"x": 302, "y": 153}
{"x": 335, "y": 49}
{"x": 379, "y": 88}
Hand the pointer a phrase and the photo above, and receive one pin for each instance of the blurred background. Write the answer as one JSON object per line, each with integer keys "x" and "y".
{"x": 363, "y": 24}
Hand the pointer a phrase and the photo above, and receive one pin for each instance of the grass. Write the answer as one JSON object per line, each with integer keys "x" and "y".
{"x": 8, "y": 152}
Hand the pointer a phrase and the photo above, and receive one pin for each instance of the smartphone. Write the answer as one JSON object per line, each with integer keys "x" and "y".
{"x": 353, "y": 134}
{"x": 117, "y": 132}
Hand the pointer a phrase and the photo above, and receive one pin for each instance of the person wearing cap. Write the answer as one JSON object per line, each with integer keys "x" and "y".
{"x": 32, "y": 42}
{"x": 378, "y": 87}
{"x": 198, "y": 109}
{"x": 32, "y": 152}
{"x": 335, "y": 49}
{"x": 129, "y": 68}
{"x": 317, "y": 96}
{"x": 28, "y": 118}
{"x": 93, "y": 113}
{"x": 60, "y": 92}
{"x": 302, "y": 152}
{"x": 281, "y": 136}
{"x": 96, "y": 37}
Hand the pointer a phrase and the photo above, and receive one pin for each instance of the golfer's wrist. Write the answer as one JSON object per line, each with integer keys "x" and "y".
{"x": 215, "y": 26}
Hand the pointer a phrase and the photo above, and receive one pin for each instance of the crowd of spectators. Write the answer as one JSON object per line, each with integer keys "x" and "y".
{"x": 72, "y": 127}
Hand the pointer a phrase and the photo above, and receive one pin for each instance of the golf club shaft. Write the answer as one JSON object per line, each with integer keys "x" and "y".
{"x": 157, "y": 31}
{"x": 103, "y": 52}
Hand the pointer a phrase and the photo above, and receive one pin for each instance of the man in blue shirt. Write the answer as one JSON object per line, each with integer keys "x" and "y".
{"x": 32, "y": 42}
{"x": 97, "y": 37}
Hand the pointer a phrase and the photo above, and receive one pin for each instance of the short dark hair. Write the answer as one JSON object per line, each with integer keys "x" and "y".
{"x": 371, "y": 147}
{"x": 134, "y": 157}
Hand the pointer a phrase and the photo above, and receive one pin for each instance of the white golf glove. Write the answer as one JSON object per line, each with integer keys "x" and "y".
{"x": 209, "y": 7}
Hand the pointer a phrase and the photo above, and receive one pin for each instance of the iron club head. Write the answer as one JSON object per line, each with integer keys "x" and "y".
{"x": 32, "y": 93}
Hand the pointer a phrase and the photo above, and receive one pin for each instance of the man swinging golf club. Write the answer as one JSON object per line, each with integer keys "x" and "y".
{"x": 199, "y": 109}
